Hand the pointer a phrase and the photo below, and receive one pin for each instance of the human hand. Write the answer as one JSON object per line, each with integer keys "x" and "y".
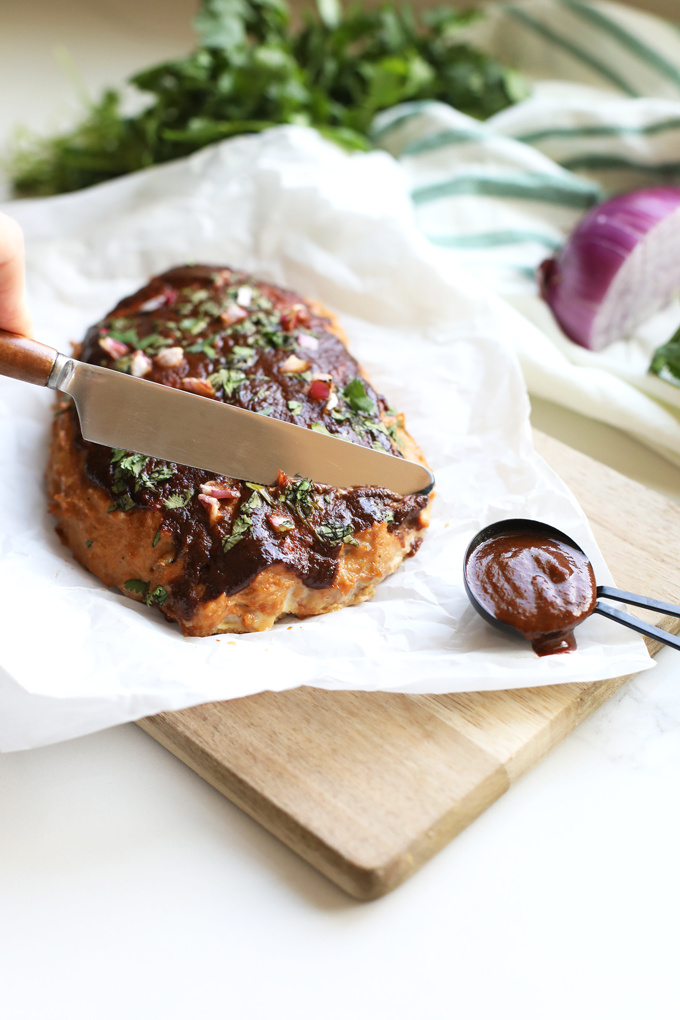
{"x": 14, "y": 315}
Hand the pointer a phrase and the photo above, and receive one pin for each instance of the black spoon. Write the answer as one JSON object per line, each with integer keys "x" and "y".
{"x": 522, "y": 526}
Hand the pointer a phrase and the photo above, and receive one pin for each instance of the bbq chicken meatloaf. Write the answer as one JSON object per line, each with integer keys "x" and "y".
{"x": 217, "y": 554}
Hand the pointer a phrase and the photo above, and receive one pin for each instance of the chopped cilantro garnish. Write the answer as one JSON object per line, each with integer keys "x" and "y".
{"x": 265, "y": 411}
{"x": 156, "y": 538}
{"x": 295, "y": 406}
{"x": 192, "y": 325}
{"x": 124, "y": 503}
{"x": 239, "y": 353}
{"x": 357, "y": 398}
{"x": 129, "y": 469}
{"x": 298, "y": 495}
{"x": 158, "y": 595}
{"x": 203, "y": 347}
{"x": 318, "y": 427}
{"x": 335, "y": 534}
{"x": 389, "y": 517}
{"x": 242, "y": 525}
{"x": 378, "y": 446}
{"x": 88, "y": 543}
{"x": 122, "y": 364}
{"x": 129, "y": 336}
{"x": 262, "y": 491}
{"x": 228, "y": 378}
{"x": 244, "y": 521}
{"x": 178, "y": 499}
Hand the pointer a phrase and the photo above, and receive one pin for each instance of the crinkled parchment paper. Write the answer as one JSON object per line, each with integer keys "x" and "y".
{"x": 76, "y": 657}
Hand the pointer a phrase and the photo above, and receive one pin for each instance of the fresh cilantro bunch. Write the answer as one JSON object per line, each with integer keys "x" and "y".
{"x": 250, "y": 71}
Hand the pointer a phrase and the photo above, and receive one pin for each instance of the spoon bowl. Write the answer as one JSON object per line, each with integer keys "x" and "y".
{"x": 522, "y": 528}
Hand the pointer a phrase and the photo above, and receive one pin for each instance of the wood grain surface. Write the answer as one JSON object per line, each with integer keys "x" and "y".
{"x": 368, "y": 786}
{"x": 25, "y": 359}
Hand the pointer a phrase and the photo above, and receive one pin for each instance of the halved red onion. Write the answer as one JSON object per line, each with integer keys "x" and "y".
{"x": 620, "y": 266}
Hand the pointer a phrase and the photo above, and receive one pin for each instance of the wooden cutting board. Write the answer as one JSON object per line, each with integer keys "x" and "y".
{"x": 367, "y": 787}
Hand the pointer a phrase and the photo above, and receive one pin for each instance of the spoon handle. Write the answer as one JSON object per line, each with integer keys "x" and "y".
{"x": 639, "y": 625}
{"x": 641, "y": 601}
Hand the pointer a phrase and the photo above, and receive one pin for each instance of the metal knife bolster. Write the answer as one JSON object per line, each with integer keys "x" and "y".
{"x": 163, "y": 422}
{"x": 61, "y": 374}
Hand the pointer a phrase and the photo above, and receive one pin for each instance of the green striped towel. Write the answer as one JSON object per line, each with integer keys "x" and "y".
{"x": 498, "y": 197}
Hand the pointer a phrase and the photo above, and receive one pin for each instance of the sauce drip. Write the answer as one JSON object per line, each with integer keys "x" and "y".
{"x": 537, "y": 584}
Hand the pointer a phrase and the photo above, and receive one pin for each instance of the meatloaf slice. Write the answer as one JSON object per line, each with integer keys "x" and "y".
{"x": 218, "y": 554}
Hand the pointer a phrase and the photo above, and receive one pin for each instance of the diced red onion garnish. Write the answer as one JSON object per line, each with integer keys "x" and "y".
{"x": 310, "y": 343}
{"x": 619, "y": 267}
{"x": 200, "y": 386}
{"x": 219, "y": 490}
{"x": 280, "y": 523}
{"x": 140, "y": 364}
{"x": 113, "y": 348}
{"x": 319, "y": 390}
{"x": 170, "y": 357}
{"x": 293, "y": 364}
{"x": 244, "y": 296}
{"x": 233, "y": 313}
{"x": 296, "y": 315}
{"x": 212, "y": 505}
{"x": 154, "y": 303}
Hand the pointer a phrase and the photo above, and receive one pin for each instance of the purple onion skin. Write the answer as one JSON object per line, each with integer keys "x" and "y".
{"x": 575, "y": 283}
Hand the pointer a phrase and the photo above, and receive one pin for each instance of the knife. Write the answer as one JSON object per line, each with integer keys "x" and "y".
{"x": 158, "y": 421}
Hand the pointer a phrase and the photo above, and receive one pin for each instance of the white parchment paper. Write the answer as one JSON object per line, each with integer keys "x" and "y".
{"x": 76, "y": 657}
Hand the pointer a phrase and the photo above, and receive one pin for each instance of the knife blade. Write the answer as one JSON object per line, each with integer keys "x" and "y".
{"x": 144, "y": 417}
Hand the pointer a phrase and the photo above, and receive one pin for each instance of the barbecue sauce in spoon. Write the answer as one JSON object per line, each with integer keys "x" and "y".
{"x": 541, "y": 586}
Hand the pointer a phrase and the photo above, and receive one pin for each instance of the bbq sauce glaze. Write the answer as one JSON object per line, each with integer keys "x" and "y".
{"x": 296, "y": 523}
{"x": 536, "y": 583}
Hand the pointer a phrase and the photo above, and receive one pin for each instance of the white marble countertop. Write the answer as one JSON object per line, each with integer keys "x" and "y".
{"x": 130, "y": 888}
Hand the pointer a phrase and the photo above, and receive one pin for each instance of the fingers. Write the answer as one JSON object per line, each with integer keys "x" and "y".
{"x": 13, "y": 309}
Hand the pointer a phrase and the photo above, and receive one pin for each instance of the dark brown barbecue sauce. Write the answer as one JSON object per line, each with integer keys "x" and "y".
{"x": 296, "y": 523}
{"x": 536, "y": 583}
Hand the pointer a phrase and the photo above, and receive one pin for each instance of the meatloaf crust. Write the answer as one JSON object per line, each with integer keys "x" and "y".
{"x": 217, "y": 554}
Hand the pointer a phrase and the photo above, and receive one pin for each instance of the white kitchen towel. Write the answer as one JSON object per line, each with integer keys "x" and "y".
{"x": 501, "y": 196}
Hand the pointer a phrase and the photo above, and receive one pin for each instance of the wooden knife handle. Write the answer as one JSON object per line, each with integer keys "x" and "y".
{"x": 25, "y": 359}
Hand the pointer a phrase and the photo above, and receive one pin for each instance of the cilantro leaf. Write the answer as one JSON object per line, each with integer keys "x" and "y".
{"x": 357, "y": 398}
{"x": 335, "y": 534}
{"x": 157, "y": 596}
{"x": 178, "y": 499}
{"x": 316, "y": 426}
{"x": 229, "y": 379}
{"x": 138, "y": 587}
{"x": 295, "y": 407}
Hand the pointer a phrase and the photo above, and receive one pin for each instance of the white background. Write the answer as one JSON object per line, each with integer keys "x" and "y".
{"x": 129, "y": 888}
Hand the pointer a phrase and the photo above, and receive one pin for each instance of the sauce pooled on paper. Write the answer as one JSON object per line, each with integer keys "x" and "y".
{"x": 536, "y": 583}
